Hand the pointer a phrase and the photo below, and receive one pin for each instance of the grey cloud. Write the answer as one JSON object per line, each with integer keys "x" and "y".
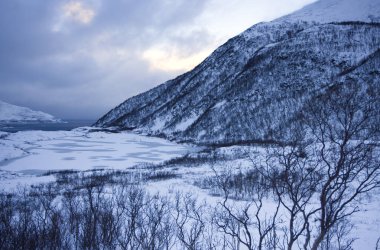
{"x": 56, "y": 72}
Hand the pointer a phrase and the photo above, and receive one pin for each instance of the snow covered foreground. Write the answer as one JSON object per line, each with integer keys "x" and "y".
{"x": 25, "y": 155}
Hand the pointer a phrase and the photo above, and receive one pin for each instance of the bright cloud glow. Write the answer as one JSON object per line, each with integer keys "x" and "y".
{"x": 172, "y": 60}
{"x": 221, "y": 20}
{"x": 77, "y": 12}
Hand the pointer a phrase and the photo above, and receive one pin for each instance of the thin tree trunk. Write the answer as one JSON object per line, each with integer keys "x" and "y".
{"x": 318, "y": 240}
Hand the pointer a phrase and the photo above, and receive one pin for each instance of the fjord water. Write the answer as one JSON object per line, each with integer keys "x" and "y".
{"x": 67, "y": 125}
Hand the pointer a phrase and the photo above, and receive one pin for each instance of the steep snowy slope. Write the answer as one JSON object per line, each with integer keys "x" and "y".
{"x": 258, "y": 81}
{"x": 13, "y": 113}
{"x": 324, "y": 11}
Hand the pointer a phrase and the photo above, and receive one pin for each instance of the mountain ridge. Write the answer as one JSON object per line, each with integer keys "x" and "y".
{"x": 256, "y": 82}
{"x": 327, "y": 11}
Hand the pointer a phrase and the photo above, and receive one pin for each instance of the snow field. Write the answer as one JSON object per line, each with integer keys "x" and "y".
{"x": 27, "y": 155}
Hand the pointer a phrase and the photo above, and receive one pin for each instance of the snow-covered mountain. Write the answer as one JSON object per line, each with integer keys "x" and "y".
{"x": 325, "y": 11}
{"x": 259, "y": 80}
{"x": 13, "y": 113}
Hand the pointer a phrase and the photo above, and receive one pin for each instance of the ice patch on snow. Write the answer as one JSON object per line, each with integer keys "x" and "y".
{"x": 44, "y": 151}
{"x": 158, "y": 124}
{"x": 183, "y": 125}
{"x": 219, "y": 104}
{"x": 202, "y": 133}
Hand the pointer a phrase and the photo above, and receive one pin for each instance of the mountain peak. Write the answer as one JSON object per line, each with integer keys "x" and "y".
{"x": 327, "y": 11}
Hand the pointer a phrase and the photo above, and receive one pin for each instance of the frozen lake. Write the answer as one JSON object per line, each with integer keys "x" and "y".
{"x": 30, "y": 153}
{"x": 38, "y": 151}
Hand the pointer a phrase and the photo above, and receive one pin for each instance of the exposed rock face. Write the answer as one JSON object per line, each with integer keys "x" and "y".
{"x": 257, "y": 82}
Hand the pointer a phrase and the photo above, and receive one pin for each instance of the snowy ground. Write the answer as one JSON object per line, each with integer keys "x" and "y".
{"x": 366, "y": 222}
{"x": 25, "y": 156}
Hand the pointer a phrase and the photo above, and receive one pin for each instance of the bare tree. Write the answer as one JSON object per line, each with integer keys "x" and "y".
{"x": 338, "y": 237}
{"x": 332, "y": 157}
{"x": 249, "y": 224}
{"x": 72, "y": 208}
{"x": 343, "y": 126}
{"x": 131, "y": 201}
{"x": 190, "y": 224}
{"x": 294, "y": 180}
{"x": 7, "y": 212}
{"x": 155, "y": 228}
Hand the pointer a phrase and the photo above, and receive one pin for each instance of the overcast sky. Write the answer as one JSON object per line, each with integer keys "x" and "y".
{"x": 78, "y": 59}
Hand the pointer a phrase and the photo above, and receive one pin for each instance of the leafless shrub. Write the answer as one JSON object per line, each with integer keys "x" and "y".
{"x": 189, "y": 221}
{"x": 249, "y": 224}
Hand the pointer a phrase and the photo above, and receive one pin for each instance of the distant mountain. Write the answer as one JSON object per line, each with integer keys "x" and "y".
{"x": 258, "y": 81}
{"x": 13, "y": 113}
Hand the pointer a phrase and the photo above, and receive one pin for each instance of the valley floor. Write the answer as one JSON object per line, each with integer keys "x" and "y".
{"x": 26, "y": 155}
{"x": 33, "y": 157}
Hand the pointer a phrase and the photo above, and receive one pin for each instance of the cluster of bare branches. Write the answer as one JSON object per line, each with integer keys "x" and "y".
{"x": 317, "y": 178}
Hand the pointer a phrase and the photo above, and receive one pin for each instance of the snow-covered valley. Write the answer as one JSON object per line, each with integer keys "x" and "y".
{"x": 28, "y": 154}
{"x": 272, "y": 142}
{"x": 33, "y": 158}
